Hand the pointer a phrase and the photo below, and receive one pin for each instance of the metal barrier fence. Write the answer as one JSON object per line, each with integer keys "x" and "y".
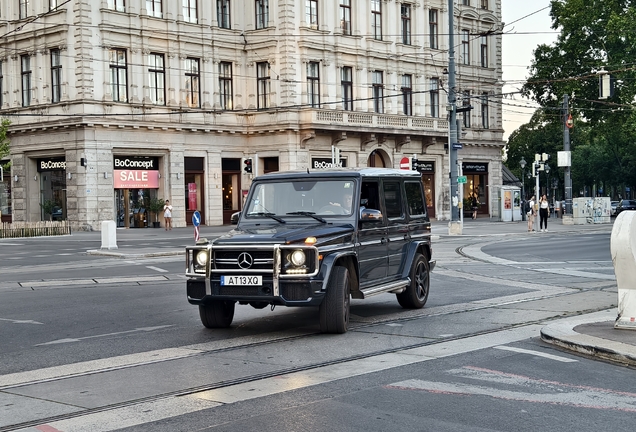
{"x": 34, "y": 229}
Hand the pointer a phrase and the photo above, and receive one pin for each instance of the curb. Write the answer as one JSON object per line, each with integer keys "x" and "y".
{"x": 110, "y": 253}
{"x": 562, "y": 334}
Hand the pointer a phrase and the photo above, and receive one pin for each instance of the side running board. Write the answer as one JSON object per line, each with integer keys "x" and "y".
{"x": 392, "y": 286}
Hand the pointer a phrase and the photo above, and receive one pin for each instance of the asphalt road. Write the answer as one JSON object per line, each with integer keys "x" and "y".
{"x": 121, "y": 349}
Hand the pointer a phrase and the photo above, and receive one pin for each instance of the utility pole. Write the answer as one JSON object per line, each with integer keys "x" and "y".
{"x": 455, "y": 225}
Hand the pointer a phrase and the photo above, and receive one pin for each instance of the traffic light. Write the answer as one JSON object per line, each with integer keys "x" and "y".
{"x": 414, "y": 164}
{"x": 535, "y": 169}
{"x": 248, "y": 165}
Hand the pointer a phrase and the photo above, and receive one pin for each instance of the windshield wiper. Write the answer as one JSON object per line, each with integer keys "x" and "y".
{"x": 310, "y": 214}
{"x": 270, "y": 215}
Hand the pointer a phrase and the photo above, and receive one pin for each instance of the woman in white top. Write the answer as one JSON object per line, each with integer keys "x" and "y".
{"x": 167, "y": 215}
{"x": 531, "y": 215}
{"x": 544, "y": 210}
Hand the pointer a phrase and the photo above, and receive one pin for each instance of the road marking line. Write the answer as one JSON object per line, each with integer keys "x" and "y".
{"x": 67, "y": 340}
{"x": 14, "y": 321}
{"x": 157, "y": 269}
{"x": 536, "y": 353}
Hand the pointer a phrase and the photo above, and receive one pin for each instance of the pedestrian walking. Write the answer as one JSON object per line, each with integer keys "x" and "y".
{"x": 474, "y": 204}
{"x": 167, "y": 215}
{"x": 530, "y": 214}
{"x": 544, "y": 210}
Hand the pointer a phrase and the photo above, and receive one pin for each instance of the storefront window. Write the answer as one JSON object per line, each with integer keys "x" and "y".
{"x": 5, "y": 198}
{"x": 231, "y": 193}
{"x": 53, "y": 195}
{"x": 193, "y": 191}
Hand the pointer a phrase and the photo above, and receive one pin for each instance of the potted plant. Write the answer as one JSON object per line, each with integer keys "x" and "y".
{"x": 48, "y": 206}
{"x": 156, "y": 205}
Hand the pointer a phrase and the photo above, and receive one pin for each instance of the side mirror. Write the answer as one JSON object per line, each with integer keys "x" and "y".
{"x": 235, "y": 218}
{"x": 370, "y": 215}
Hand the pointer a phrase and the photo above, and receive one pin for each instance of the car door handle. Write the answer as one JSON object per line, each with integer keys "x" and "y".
{"x": 407, "y": 236}
{"x": 383, "y": 240}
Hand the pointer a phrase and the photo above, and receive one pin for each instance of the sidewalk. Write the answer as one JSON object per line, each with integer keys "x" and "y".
{"x": 592, "y": 334}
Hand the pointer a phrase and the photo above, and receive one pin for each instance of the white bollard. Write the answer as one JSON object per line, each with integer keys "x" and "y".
{"x": 623, "y": 247}
{"x": 109, "y": 235}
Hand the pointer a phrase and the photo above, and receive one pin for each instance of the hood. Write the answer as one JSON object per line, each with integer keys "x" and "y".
{"x": 288, "y": 233}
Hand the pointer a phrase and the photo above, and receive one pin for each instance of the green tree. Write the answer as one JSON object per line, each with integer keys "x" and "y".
{"x": 594, "y": 35}
{"x": 4, "y": 141}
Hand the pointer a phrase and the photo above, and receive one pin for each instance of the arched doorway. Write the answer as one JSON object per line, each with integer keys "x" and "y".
{"x": 378, "y": 159}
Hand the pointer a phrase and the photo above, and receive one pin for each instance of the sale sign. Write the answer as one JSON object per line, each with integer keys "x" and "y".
{"x": 136, "y": 179}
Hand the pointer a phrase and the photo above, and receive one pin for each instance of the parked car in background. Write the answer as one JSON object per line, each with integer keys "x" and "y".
{"x": 613, "y": 210}
{"x": 625, "y": 205}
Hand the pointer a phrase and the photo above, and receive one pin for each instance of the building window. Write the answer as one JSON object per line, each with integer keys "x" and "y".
{"x": 346, "y": 80}
{"x": 190, "y": 11}
{"x": 406, "y": 23}
{"x": 262, "y": 13}
{"x": 313, "y": 84}
{"x": 378, "y": 92}
{"x": 376, "y": 19}
{"x": 225, "y": 86}
{"x": 153, "y": 7}
{"x": 484, "y": 51}
{"x": 157, "y": 75}
{"x": 311, "y": 14}
{"x": 345, "y": 16}
{"x": 466, "y": 2}
{"x": 53, "y": 4}
{"x": 465, "y": 47}
{"x": 193, "y": 77}
{"x": 484, "y": 111}
{"x": 434, "y": 92}
{"x": 484, "y": 4}
{"x": 24, "y": 8}
{"x": 407, "y": 95}
{"x": 223, "y": 13}
{"x": 56, "y": 76}
{"x": 466, "y": 103}
{"x": 119, "y": 86}
{"x": 25, "y": 62}
{"x": 117, "y": 5}
{"x": 432, "y": 28}
{"x": 263, "y": 85}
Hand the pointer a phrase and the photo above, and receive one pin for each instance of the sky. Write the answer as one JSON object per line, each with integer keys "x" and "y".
{"x": 519, "y": 41}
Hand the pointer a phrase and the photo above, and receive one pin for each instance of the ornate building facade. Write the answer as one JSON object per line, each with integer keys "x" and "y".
{"x": 115, "y": 102}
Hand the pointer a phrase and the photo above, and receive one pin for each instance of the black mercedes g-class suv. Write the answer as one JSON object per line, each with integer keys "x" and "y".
{"x": 317, "y": 238}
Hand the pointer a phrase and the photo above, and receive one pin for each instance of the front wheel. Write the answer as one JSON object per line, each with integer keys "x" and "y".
{"x": 218, "y": 314}
{"x": 416, "y": 294}
{"x": 334, "y": 309}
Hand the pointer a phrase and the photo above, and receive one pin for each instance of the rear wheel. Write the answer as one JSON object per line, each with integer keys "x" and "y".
{"x": 416, "y": 294}
{"x": 334, "y": 309}
{"x": 218, "y": 314}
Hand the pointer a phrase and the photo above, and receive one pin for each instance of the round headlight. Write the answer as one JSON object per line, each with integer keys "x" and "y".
{"x": 202, "y": 257}
{"x": 297, "y": 257}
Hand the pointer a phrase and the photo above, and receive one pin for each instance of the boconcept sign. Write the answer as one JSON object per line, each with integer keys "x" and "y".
{"x": 324, "y": 163}
{"x": 51, "y": 164}
{"x": 142, "y": 163}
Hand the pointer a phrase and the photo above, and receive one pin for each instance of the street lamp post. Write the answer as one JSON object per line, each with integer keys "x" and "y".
{"x": 522, "y": 162}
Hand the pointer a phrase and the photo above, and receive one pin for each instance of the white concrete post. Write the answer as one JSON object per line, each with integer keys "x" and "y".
{"x": 623, "y": 248}
{"x": 109, "y": 235}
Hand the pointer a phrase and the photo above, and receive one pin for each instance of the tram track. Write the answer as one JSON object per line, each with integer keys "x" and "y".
{"x": 259, "y": 376}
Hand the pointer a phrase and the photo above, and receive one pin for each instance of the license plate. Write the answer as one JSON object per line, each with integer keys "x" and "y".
{"x": 242, "y": 280}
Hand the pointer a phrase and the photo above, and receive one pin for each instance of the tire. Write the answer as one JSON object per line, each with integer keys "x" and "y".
{"x": 416, "y": 294}
{"x": 334, "y": 309}
{"x": 218, "y": 314}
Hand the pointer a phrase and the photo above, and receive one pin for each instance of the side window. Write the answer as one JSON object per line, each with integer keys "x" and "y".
{"x": 393, "y": 199}
{"x": 415, "y": 198}
{"x": 370, "y": 195}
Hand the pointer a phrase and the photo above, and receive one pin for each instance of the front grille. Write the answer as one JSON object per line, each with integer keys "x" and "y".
{"x": 229, "y": 259}
{"x": 295, "y": 291}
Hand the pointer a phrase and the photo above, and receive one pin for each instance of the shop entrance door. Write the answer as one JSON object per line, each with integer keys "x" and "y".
{"x": 131, "y": 207}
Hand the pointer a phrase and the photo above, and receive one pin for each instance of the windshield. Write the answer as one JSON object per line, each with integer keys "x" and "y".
{"x": 302, "y": 198}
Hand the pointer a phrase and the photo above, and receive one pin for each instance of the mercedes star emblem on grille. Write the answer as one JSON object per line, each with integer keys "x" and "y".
{"x": 245, "y": 260}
